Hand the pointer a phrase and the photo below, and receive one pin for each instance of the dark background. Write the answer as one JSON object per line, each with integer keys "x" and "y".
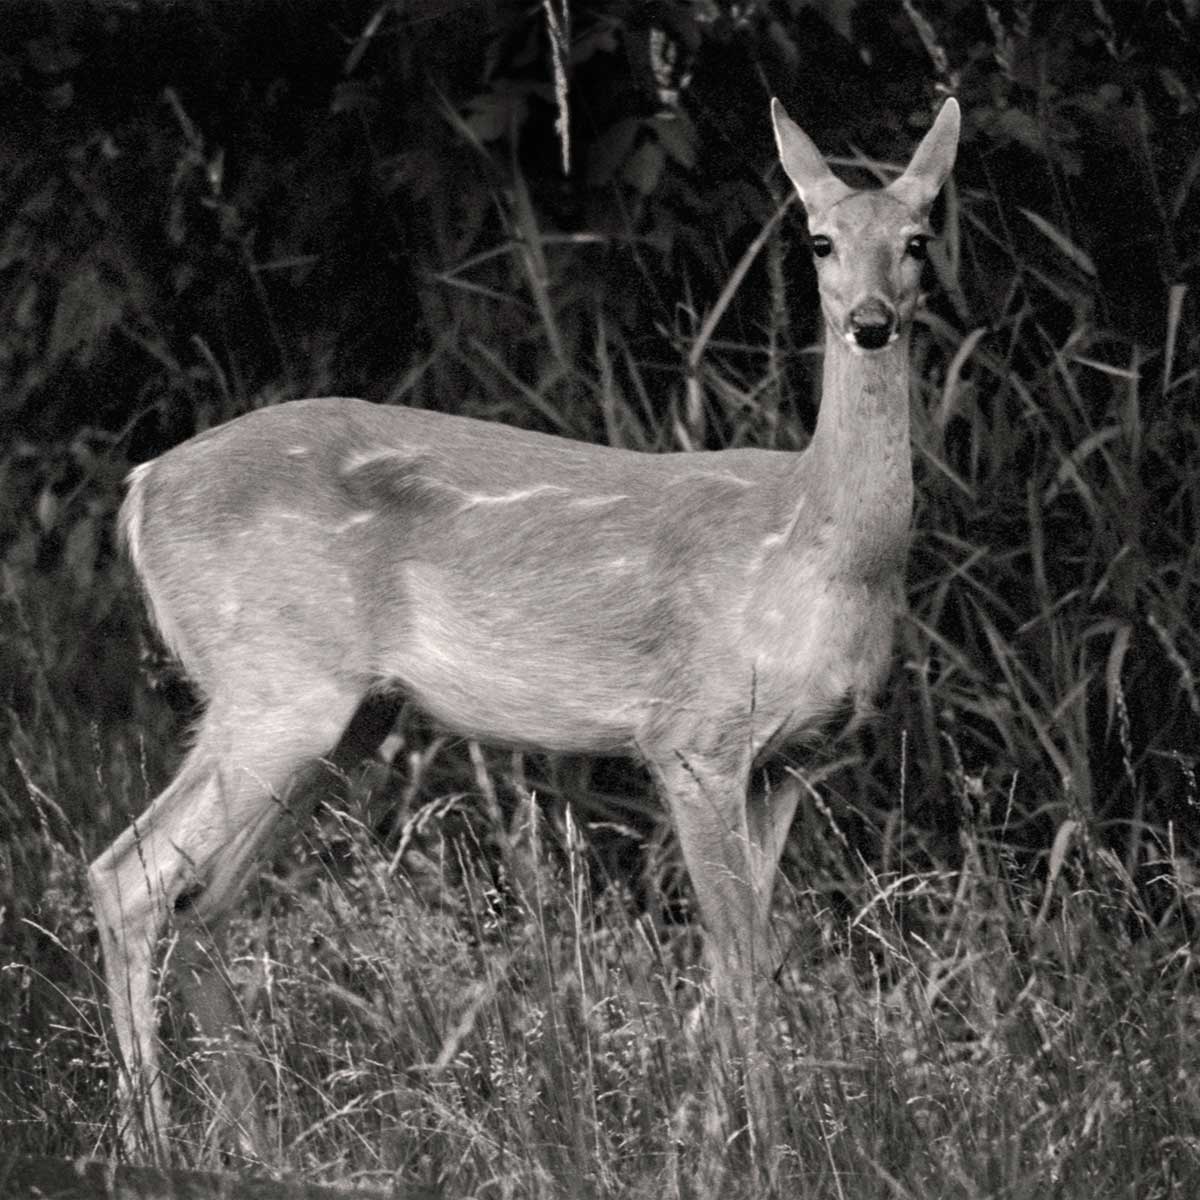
{"x": 210, "y": 206}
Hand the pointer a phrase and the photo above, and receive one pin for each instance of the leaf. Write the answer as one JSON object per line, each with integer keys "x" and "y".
{"x": 353, "y": 96}
{"x": 87, "y": 309}
{"x": 950, "y": 390}
{"x": 1175, "y": 299}
{"x": 601, "y": 39}
{"x": 1020, "y": 127}
{"x": 46, "y": 509}
{"x": 363, "y": 41}
{"x": 79, "y": 553}
{"x": 1179, "y": 91}
{"x": 610, "y": 150}
{"x": 1064, "y": 244}
{"x": 678, "y": 137}
{"x": 49, "y": 56}
{"x": 25, "y": 311}
{"x": 493, "y": 114}
{"x": 1112, "y": 669}
{"x": 1070, "y": 468}
{"x": 1058, "y": 856}
{"x": 644, "y": 169}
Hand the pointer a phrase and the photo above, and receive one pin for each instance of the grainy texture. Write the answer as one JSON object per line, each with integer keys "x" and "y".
{"x": 57, "y": 1179}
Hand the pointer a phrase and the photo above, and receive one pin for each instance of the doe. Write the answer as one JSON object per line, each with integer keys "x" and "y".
{"x": 697, "y": 610}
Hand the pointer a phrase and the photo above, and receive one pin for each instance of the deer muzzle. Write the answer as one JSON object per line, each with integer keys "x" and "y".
{"x": 873, "y": 324}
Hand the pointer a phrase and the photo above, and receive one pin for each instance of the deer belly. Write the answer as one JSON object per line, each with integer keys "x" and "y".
{"x": 515, "y": 677}
{"x": 495, "y": 701}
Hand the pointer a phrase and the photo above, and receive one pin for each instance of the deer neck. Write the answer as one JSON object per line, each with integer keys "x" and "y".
{"x": 860, "y": 460}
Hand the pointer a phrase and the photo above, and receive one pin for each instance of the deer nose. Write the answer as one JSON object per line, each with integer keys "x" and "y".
{"x": 873, "y": 324}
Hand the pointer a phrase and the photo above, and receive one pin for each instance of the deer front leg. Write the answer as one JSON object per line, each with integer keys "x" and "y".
{"x": 769, "y": 813}
{"x": 707, "y": 799}
{"x": 707, "y": 802}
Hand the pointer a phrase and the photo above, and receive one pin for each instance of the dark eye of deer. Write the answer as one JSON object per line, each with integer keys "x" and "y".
{"x": 918, "y": 247}
{"x": 822, "y": 247}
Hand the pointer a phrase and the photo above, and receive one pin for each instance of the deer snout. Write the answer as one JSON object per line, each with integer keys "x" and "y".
{"x": 873, "y": 324}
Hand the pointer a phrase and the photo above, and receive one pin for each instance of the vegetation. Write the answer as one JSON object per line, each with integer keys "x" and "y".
{"x": 989, "y": 983}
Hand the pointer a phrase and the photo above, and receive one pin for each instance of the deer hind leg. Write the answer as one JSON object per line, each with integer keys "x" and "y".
{"x": 188, "y": 856}
{"x": 199, "y": 967}
{"x": 199, "y": 956}
{"x": 769, "y": 813}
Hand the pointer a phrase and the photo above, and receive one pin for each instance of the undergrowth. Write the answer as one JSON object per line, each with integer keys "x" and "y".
{"x": 987, "y": 916}
{"x": 971, "y": 1029}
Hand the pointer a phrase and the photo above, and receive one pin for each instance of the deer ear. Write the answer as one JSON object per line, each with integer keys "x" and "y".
{"x": 818, "y": 186}
{"x": 931, "y": 163}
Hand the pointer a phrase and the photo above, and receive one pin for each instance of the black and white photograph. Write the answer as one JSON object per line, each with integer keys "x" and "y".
{"x": 599, "y": 601}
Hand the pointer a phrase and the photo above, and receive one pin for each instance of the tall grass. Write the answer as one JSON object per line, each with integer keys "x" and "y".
{"x": 982, "y": 1030}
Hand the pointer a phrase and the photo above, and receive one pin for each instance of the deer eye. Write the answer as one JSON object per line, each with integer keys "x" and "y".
{"x": 822, "y": 246}
{"x": 918, "y": 246}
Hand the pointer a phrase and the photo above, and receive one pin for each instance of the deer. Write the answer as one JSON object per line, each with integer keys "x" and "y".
{"x": 699, "y": 610}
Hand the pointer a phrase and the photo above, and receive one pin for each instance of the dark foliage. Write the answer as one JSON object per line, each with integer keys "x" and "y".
{"x": 210, "y": 206}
